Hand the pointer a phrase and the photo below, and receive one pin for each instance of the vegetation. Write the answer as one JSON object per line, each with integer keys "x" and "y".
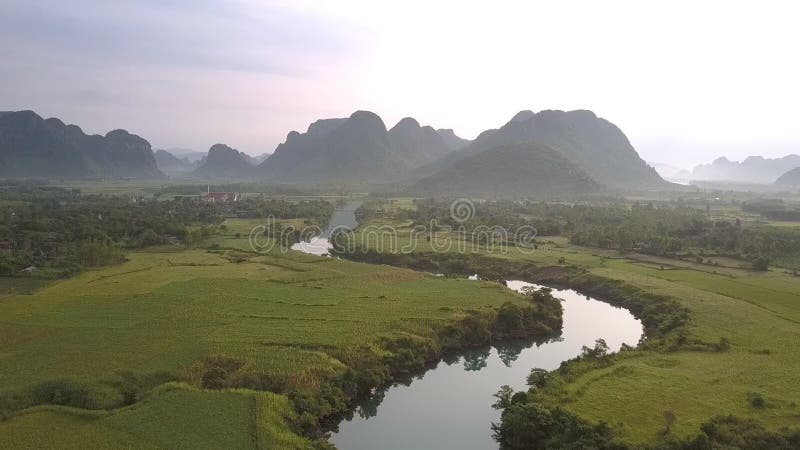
{"x": 717, "y": 332}
{"x": 670, "y": 229}
{"x": 318, "y": 332}
{"x": 59, "y": 231}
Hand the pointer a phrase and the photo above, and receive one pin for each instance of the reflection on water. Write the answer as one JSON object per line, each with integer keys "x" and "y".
{"x": 450, "y": 406}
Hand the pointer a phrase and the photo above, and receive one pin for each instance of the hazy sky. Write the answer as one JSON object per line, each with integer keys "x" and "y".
{"x": 686, "y": 81}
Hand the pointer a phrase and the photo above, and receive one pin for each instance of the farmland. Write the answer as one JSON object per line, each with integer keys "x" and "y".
{"x": 156, "y": 316}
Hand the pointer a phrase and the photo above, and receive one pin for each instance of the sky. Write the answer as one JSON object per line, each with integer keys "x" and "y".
{"x": 687, "y": 81}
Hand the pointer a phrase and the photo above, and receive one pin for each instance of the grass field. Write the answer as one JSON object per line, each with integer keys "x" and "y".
{"x": 165, "y": 309}
{"x": 174, "y": 416}
{"x": 758, "y": 313}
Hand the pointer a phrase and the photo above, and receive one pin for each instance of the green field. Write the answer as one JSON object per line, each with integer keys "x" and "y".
{"x": 166, "y": 309}
{"x": 757, "y": 312}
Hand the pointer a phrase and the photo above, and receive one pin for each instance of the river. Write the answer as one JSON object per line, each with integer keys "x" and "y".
{"x": 450, "y": 406}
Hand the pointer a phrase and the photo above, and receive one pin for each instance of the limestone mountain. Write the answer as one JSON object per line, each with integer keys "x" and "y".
{"x": 225, "y": 162}
{"x": 754, "y": 169}
{"x": 516, "y": 170}
{"x": 418, "y": 145}
{"x": 349, "y": 150}
{"x": 358, "y": 149}
{"x": 790, "y": 178}
{"x": 31, "y": 146}
{"x": 595, "y": 145}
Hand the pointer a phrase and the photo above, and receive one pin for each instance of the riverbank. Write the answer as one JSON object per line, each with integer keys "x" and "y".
{"x": 723, "y": 345}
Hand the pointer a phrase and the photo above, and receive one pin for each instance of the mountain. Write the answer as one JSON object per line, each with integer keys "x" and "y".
{"x": 593, "y": 144}
{"x": 31, "y": 146}
{"x": 790, "y": 178}
{"x": 192, "y": 155}
{"x": 417, "y": 145}
{"x": 349, "y": 150}
{"x": 754, "y": 169}
{"x": 358, "y": 149}
{"x": 520, "y": 170}
{"x": 172, "y": 165}
{"x": 225, "y": 162}
{"x": 260, "y": 158}
{"x": 451, "y": 140}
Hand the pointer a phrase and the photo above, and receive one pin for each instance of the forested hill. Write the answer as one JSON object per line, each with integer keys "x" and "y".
{"x": 593, "y": 144}
{"x": 31, "y": 146}
{"x": 519, "y": 170}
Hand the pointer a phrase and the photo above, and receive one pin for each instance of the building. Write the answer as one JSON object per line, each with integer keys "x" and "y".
{"x": 217, "y": 197}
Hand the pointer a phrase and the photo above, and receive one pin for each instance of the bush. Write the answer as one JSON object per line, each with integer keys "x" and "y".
{"x": 761, "y": 264}
{"x": 65, "y": 393}
{"x": 756, "y": 400}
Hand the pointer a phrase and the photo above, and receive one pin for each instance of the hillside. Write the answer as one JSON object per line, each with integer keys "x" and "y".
{"x": 754, "y": 169}
{"x": 452, "y": 141}
{"x": 512, "y": 170}
{"x": 31, "y": 146}
{"x": 418, "y": 145}
{"x": 790, "y": 178}
{"x": 173, "y": 165}
{"x": 358, "y": 149}
{"x": 224, "y": 162}
{"x": 594, "y": 144}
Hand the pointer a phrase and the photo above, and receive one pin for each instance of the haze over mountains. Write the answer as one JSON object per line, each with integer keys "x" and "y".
{"x": 754, "y": 169}
{"x": 545, "y": 152}
{"x": 171, "y": 164}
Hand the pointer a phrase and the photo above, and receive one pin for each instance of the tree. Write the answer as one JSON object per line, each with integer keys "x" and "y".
{"x": 503, "y": 397}
{"x": 600, "y": 350}
{"x": 537, "y": 378}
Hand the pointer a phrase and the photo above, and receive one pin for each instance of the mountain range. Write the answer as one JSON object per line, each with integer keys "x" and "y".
{"x": 31, "y": 146}
{"x": 545, "y": 152}
{"x": 358, "y": 149}
{"x": 754, "y": 169}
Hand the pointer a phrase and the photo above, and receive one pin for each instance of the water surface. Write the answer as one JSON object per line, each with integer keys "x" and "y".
{"x": 450, "y": 406}
{"x": 343, "y": 216}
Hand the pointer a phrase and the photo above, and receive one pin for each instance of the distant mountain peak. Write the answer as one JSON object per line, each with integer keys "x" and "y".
{"x": 522, "y": 116}
{"x": 596, "y": 145}
{"x": 407, "y": 122}
{"x": 369, "y": 116}
{"x": 223, "y": 161}
{"x": 753, "y": 169}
